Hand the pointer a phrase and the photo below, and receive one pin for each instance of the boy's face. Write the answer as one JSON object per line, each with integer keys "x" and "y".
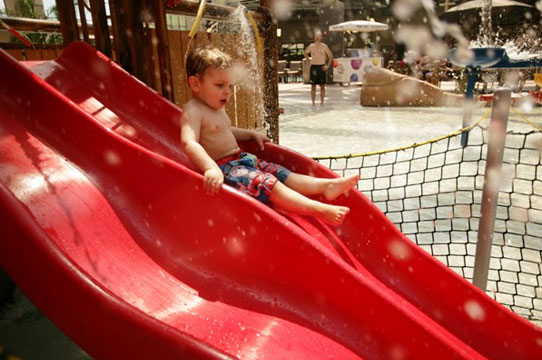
{"x": 214, "y": 87}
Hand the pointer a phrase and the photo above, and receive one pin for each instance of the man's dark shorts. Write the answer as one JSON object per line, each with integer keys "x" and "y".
{"x": 318, "y": 75}
{"x": 255, "y": 177}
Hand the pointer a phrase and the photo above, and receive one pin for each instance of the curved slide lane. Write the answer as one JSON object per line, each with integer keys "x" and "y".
{"x": 106, "y": 229}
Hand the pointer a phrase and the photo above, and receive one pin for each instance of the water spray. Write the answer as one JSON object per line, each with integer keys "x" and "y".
{"x": 254, "y": 27}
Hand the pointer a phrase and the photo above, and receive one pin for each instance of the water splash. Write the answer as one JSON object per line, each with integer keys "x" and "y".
{"x": 486, "y": 35}
{"x": 434, "y": 30}
{"x": 246, "y": 51}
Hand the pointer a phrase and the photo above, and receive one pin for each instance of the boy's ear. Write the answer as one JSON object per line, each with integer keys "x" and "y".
{"x": 193, "y": 82}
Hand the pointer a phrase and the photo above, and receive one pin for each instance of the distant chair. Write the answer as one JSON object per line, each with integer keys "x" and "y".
{"x": 283, "y": 72}
{"x": 296, "y": 70}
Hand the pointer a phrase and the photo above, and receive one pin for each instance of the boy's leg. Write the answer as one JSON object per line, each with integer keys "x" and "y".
{"x": 290, "y": 200}
{"x": 330, "y": 188}
{"x": 313, "y": 93}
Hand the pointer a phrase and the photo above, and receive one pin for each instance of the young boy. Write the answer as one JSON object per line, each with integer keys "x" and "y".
{"x": 210, "y": 142}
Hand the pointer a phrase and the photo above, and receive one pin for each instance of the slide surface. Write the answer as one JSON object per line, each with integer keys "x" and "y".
{"x": 107, "y": 230}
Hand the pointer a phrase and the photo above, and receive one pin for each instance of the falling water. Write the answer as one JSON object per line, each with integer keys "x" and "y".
{"x": 486, "y": 29}
{"x": 236, "y": 122}
{"x": 247, "y": 51}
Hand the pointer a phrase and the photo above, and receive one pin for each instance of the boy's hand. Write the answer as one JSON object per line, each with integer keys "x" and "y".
{"x": 260, "y": 139}
{"x": 213, "y": 180}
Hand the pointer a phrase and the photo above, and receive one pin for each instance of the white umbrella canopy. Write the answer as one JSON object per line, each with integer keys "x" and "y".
{"x": 478, "y": 4}
{"x": 502, "y": 11}
{"x": 359, "y": 26}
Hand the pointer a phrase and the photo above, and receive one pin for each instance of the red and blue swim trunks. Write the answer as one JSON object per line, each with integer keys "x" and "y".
{"x": 255, "y": 177}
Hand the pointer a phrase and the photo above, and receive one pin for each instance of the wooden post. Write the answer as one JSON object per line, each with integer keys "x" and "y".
{"x": 83, "y": 19}
{"x": 268, "y": 31}
{"x": 101, "y": 28}
{"x": 68, "y": 21}
{"x": 130, "y": 36}
{"x": 490, "y": 193}
{"x": 164, "y": 60}
{"x": 114, "y": 30}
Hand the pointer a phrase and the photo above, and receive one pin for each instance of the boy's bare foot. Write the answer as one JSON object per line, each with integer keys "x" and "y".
{"x": 339, "y": 186}
{"x": 332, "y": 214}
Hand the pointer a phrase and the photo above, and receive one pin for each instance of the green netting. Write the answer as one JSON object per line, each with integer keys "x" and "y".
{"x": 433, "y": 192}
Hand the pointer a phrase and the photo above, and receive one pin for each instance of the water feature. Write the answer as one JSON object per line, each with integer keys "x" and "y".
{"x": 249, "y": 72}
{"x": 486, "y": 30}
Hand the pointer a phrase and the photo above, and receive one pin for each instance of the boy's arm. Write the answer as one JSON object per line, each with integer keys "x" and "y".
{"x": 246, "y": 134}
{"x": 190, "y": 132}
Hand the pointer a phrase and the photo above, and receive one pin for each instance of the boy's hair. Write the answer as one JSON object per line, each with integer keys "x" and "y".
{"x": 200, "y": 59}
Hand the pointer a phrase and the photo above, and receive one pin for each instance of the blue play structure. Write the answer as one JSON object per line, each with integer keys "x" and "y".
{"x": 485, "y": 58}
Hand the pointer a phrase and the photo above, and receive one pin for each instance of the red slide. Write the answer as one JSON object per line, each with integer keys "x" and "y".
{"x": 107, "y": 230}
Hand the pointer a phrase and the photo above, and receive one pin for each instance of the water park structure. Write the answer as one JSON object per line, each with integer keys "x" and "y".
{"x": 108, "y": 233}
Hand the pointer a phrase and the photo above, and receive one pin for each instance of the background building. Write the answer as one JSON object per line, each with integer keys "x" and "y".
{"x": 15, "y": 6}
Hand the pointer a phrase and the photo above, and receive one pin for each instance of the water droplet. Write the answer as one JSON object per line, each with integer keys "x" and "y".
{"x": 474, "y": 310}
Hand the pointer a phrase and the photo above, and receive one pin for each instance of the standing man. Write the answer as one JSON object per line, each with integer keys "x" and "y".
{"x": 320, "y": 59}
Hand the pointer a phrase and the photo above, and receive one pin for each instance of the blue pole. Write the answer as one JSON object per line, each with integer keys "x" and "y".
{"x": 472, "y": 75}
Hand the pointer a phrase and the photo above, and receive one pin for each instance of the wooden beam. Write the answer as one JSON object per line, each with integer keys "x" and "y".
{"x": 164, "y": 60}
{"x": 268, "y": 31}
{"x": 68, "y": 21}
{"x": 212, "y": 11}
{"x": 133, "y": 53}
{"x": 101, "y": 29}
{"x": 83, "y": 19}
{"x": 114, "y": 28}
{"x": 24, "y": 24}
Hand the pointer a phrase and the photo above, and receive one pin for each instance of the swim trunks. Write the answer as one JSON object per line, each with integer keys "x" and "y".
{"x": 255, "y": 177}
{"x": 318, "y": 75}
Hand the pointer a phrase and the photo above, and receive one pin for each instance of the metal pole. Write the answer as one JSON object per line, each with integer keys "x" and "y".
{"x": 492, "y": 177}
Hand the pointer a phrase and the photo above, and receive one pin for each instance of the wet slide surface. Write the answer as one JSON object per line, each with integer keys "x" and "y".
{"x": 107, "y": 230}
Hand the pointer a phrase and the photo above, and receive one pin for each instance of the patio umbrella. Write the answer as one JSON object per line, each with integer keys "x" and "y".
{"x": 501, "y": 10}
{"x": 478, "y": 4}
{"x": 359, "y": 26}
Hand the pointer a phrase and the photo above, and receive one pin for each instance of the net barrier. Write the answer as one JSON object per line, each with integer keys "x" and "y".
{"x": 432, "y": 192}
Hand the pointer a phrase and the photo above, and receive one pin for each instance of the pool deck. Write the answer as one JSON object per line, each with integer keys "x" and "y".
{"x": 342, "y": 126}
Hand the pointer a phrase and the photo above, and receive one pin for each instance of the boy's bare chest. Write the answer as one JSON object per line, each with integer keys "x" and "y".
{"x": 215, "y": 123}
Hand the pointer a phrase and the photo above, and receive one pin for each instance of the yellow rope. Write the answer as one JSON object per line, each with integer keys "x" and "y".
{"x": 527, "y": 120}
{"x": 468, "y": 128}
{"x": 195, "y": 26}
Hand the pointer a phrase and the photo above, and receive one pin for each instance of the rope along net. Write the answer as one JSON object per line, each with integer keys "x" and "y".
{"x": 432, "y": 192}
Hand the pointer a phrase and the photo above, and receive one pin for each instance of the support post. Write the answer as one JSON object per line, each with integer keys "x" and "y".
{"x": 166, "y": 80}
{"x": 101, "y": 28}
{"x": 68, "y": 21}
{"x": 133, "y": 55}
{"x": 492, "y": 177}
{"x": 83, "y": 19}
{"x": 472, "y": 75}
{"x": 268, "y": 29}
